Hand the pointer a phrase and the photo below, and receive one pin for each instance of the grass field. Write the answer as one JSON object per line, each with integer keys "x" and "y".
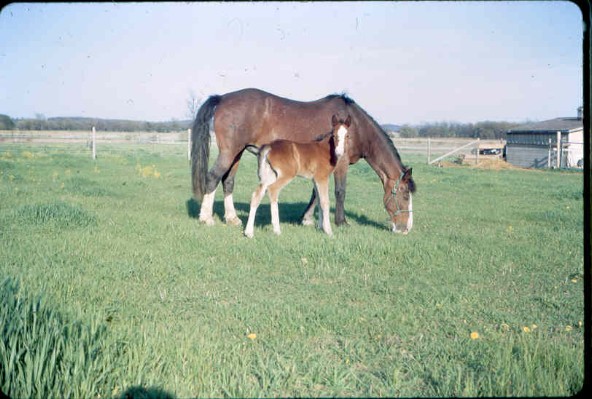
{"x": 111, "y": 287}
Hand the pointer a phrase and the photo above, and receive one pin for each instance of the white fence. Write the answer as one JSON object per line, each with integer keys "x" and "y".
{"x": 92, "y": 143}
{"x": 438, "y": 149}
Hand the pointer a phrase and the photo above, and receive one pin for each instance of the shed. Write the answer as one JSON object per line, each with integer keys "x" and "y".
{"x": 535, "y": 145}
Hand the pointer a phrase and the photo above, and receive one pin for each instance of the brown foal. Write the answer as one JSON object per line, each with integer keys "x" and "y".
{"x": 282, "y": 160}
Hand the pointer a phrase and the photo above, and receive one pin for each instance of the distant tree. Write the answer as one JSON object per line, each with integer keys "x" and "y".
{"x": 407, "y": 131}
{"x": 6, "y": 123}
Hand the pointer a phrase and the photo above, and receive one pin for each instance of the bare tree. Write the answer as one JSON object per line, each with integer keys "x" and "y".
{"x": 192, "y": 104}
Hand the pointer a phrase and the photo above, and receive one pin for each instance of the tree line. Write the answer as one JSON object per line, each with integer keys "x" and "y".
{"x": 487, "y": 130}
{"x": 81, "y": 123}
{"x": 484, "y": 130}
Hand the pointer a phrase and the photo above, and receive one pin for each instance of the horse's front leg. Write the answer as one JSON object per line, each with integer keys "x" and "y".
{"x": 308, "y": 216}
{"x": 323, "y": 194}
{"x": 340, "y": 176}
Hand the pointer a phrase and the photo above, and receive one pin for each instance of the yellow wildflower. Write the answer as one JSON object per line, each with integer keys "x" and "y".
{"x": 474, "y": 335}
{"x": 252, "y": 336}
{"x": 568, "y": 328}
{"x": 526, "y": 329}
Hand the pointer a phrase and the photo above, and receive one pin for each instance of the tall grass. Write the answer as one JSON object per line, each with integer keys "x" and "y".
{"x": 122, "y": 288}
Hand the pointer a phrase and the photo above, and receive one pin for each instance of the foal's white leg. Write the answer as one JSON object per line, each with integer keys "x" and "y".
{"x": 206, "y": 211}
{"x": 324, "y": 220}
{"x": 255, "y": 201}
{"x": 275, "y": 215}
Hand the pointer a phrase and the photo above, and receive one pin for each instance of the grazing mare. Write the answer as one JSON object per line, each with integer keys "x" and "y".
{"x": 282, "y": 160}
{"x": 250, "y": 118}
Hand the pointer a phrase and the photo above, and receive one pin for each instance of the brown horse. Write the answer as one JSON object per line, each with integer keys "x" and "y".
{"x": 249, "y": 118}
{"x": 282, "y": 160}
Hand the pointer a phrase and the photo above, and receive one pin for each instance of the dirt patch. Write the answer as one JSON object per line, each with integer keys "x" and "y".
{"x": 495, "y": 164}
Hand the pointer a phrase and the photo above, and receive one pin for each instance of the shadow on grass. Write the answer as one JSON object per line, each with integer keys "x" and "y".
{"x": 139, "y": 392}
{"x": 290, "y": 212}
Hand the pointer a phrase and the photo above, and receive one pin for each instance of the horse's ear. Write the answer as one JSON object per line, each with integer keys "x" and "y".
{"x": 407, "y": 174}
{"x": 334, "y": 120}
{"x": 348, "y": 121}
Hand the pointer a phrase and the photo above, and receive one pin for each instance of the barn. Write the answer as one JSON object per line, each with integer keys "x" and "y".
{"x": 537, "y": 145}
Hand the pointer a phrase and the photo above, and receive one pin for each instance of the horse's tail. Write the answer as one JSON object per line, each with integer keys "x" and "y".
{"x": 200, "y": 145}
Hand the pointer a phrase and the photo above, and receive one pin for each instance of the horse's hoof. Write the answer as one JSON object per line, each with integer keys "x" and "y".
{"x": 343, "y": 223}
{"x": 207, "y": 221}
{"x": 307, "y": 222}
{"x": 248, "y": 234}
{"x": 235, "y": 221}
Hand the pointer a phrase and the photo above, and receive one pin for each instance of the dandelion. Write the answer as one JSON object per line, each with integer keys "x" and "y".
{"x": 568, "y": 328}
{"x": 526, "y": 329}
{"x": 474, "y": 335}
{"x": 252, "y": 336}
{"x": 574, "y": 280}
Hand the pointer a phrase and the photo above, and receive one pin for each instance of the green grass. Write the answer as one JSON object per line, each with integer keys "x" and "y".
{"x": 110, "y": 276}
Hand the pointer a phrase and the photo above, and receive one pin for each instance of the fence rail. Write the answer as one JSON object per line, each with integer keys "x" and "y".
{"x": 430, "y": 150}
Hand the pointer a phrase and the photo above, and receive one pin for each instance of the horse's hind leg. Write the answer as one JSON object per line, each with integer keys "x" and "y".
{"x": 228, "y": 186}
{"x": 220, "y": 168}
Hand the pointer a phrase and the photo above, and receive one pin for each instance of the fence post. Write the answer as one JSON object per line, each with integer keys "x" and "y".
{"x": 189, "y": 144}
{"x": 558, "y": 150}
{"x": 477, "y": 157}
{"x": 94, "y": 143}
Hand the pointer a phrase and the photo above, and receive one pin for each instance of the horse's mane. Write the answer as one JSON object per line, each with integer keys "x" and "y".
{"x": 389, "y": 142}
{"x": 346, "y": 99}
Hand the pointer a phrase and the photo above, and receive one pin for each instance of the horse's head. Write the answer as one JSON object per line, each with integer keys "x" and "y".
{"x": 340, "y": 128}
{"x": 398, "y": 201}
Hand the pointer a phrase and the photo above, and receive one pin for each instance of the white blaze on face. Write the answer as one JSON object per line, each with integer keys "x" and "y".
{"x": 341, "y": 133}
{"x": 410, "y": 220}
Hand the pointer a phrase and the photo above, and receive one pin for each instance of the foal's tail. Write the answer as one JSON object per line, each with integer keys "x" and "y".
{"x": 200, "y": 145}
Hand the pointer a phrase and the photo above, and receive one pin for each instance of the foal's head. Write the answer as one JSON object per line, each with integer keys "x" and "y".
{"x": 398, "y": 202}
{"x": 340, "y": 128}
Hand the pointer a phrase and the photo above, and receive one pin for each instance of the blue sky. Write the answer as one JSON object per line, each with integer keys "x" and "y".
{"x": 404, "y": 62}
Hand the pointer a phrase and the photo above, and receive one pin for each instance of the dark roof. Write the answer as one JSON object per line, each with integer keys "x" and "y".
{"x": 564, "y": 125}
